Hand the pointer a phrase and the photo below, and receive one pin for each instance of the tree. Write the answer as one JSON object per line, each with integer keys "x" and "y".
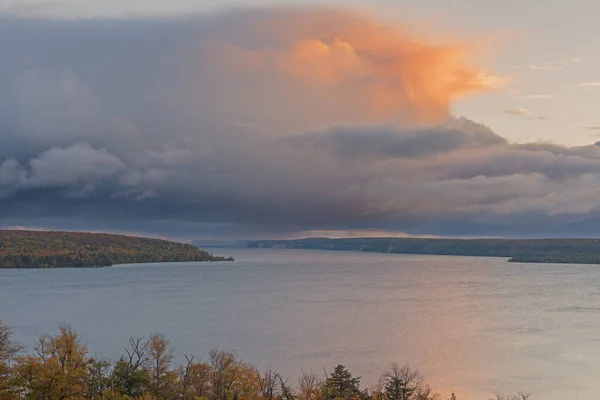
{"x": 9, "y": 348}
{"x": 161, "y": 357}
{"x": 267, "y": 382}
{"x": 286, "y": 392}
{"x": 401, "y": 383}
{"x": 425, "y": 392}
{"x": 517, "y": 396}
{"x": 98, "y": 379}
{"x": 224, "y": 373}
{"x": 58, "y": 371}
{"x": 129, "y": 374}
{"x": 194, "y": 379}
{"x": 247, "y": 384}
{"x": 310, "y": 387}
{"x": 184, "y": 373}
{"x": 341, "y": 384}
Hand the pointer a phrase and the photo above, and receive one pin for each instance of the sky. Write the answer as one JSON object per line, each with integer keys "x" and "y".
{"x": 229, "y": 119}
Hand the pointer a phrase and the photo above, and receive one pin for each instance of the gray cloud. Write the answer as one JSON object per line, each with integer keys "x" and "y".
{"x": 150, "y": 126}
{"x": 368, "y": 141}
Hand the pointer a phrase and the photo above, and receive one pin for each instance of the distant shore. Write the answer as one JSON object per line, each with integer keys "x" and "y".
{"x": 557, "y": 251}
{"x": 41, "y": 249}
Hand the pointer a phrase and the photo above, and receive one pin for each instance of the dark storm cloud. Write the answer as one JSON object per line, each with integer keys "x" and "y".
{"x": 205, "y": 127}
{"x": 358, "y": 141}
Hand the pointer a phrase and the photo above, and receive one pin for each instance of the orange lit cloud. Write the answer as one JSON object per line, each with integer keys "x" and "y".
{"x": 390, "y": 73}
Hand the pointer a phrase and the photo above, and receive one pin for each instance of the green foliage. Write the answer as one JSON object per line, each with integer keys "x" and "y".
{"x": 129, "y": 380}
{"x": 402, "y": 383}
{"x": 396, "y": 389}
{"x": 341, "y": 385}
{"x": 34, "y": 249}
{"x": 578, "y": 251}
{"x": 99, "y": 380}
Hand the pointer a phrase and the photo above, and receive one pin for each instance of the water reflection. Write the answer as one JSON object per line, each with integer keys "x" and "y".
{"x": 473, "y": 325}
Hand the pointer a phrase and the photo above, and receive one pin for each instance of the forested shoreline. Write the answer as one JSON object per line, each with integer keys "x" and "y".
{"x": 59, "y": 367}
{"x": 559, "y": 251}
{"x": 42, "y": 249}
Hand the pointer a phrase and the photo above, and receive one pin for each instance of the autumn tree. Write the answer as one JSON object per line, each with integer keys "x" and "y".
{"x": 194, "y": 379}
{"x": 9, "y": 348}
{"x": 268, "y": 383}
{"x": 184, "y": 373}
{"x": 224, "y": 367}
{"x": 310, "y": 386}
{"x": 57, "y": 371}
{"x": 160, "y": 359}
{"x": 247, "y": 382}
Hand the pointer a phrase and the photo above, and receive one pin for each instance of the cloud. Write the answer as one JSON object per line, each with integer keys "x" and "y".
{"x": 266, "y": 122}
{"x": 91, "y": 9}
{"x": 77, "y": 164}
{"x": 588, "y": 85}
{"x": 519, "y": 112}
{"x": 547, "y": 66}
{"x": 384, "y": 71}
{"x": 554, "y": 66}
{"x": 525, "y": 113}
{"x": 537, "y": 97}
{"x": 78, "y": 169}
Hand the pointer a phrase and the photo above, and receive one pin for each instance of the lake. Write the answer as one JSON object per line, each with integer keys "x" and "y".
{"x": 474, "y": 325}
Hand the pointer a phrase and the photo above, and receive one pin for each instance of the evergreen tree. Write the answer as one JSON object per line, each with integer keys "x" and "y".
{"x": 341, "y": 384}
{"x": 401, "y": 383}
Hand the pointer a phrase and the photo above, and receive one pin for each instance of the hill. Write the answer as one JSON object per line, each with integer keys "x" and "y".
{"x": 577, "y": 251}
{"x": 39, "y": 249}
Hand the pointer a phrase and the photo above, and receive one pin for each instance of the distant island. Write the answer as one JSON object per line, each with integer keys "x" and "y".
{"x": 559, "y": 251}
{"x": 40, "y": 249}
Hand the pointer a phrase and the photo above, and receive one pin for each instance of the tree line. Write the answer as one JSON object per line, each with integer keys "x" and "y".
{"x": 568, "y": 251}
{"x": 60, "y": 368}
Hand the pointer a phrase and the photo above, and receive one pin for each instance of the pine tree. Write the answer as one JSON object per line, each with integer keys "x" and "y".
{"x": 397, "y": 389}
{"x": 401, "y": 383}
{"x": 341, "y": 384}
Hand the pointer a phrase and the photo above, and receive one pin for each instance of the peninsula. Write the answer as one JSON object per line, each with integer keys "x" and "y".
{"x": 41, "y": 249}
{"x": 559, "y": 251}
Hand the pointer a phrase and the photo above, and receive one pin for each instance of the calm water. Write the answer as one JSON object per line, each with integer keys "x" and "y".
{"x": 471, "y": 324}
